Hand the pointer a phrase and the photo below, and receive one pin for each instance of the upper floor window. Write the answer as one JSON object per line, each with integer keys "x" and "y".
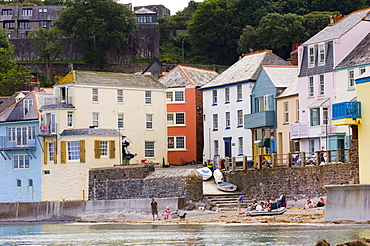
{"x": 351, "y": 79}
{"x": 144, "y": 19}
{"x": 28, "y": 104}
{"x": 227, "y": 95}
{"x": 149, "y": 149}
{"x": 322, "y": 84}
{"x": 315, "y": 116}
{"x": 240, "y": 118}
{"x": 311, "y": 55}
{"x": 227, "y": 121}
{"x": 43, "y": 24}
{"x": 214, "y": 97}
{"x": 322, "y": 53}
{"x": 175, "y": 96}
{"x": 175, "y": 119}
{"x": 24, "y": 25}
{"x": 239, "y": 93}
{"x": 43, "y": 10}
{"x": 70, "y": 119}
{"x": 120, "y": 122}
{"x": 297, "y": 110}
{"x": 6, "y": 12}
{"x": 215, "y": 121}
{"x": 21, "y": 161}
{"x": 362, "y": 70}
{"x": 27, "y": 11}
{"x": 215, "y": 146}
{"x": 148, "y": 97}
{"x": 73, "y": 151}
{"x": 120, "y": 96}
{"x": 310, "y": 87}
{"x": 149, "y": 122}
{"x": 9, "y": 24}
{"x": 51, "y": 151}
{"x": 48, "y": 123}
{"x": 103, "y": 148}
{"x": 95, "y": 119}
{"x": 286, "y": 112}
{"x": 325, "y": 116}
{"x": 95, "y": 95}
{"x": 240, "y": 140}
{"x": 21, "y": 134}
{"x": 264, "y": 103}
{"x": 177, "y": 142}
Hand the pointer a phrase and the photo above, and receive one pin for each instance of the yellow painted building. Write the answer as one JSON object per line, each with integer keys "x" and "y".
{"x": 83, "y": 129}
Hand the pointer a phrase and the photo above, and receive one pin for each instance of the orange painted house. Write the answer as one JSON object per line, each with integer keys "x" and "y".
{"x": 185, "y": 113}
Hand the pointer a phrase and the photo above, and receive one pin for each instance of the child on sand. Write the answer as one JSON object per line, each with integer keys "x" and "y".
{"x": 167, "y": 213}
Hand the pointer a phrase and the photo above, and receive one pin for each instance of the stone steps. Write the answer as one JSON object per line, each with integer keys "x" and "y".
{"x": 226, "y": 202}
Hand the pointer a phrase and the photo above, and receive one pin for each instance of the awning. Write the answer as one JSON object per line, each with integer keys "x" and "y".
{"x": 318, "y": 103}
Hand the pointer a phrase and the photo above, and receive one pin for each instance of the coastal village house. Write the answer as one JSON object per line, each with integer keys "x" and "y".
{"x": 317, "y": 59}
{"x": 21, "y": 149}
{"x": 270, "y": 83}
{"x": 93, "y": 114}
{"x": 226, "y": 101}
{"x": 185, "y": 113}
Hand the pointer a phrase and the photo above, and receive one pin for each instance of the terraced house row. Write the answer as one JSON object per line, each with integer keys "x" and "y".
{"x": 260, "y": 105}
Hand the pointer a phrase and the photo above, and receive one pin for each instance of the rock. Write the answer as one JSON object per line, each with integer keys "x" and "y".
{"x": 322, "y": 242}
{"x": 357, "y": 242}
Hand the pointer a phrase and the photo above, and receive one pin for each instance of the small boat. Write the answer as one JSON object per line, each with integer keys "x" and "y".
{"x": 221, "y": 184}
{"x": 277, "y": 211}
{"x": 206, "y": 172}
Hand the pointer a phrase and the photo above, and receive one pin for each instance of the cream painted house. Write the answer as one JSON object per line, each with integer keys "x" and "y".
{"x": 84, "y": 128}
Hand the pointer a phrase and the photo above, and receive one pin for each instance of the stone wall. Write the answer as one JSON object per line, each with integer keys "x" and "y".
{"x": 130, "y": 182}
{"x": 296, "y": 183}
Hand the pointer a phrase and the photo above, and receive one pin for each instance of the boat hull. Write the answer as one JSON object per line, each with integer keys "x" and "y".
{"x": 278, "y": 211}
{"x": 205, "y": 172}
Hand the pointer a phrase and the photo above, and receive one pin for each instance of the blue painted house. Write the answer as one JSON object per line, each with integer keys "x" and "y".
{"x": 271, "y": 82}
{"x": 20, "y": 149}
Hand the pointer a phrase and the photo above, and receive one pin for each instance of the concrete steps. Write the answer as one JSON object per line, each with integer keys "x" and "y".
{"x": 226, "y": 202}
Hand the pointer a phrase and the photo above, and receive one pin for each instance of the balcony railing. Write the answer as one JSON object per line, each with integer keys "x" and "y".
{"x": 48, "y": 129}
{"x": 260, "y": 119}
{"x": 298, "y": 130}
{"x": 351, "y": 110}
{"x": 59, "y": 100}
{"x": 20, "y": 143}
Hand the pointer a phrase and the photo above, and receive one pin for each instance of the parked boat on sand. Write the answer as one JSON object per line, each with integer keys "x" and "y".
{"x": 221, "y": 185}
{"x": 205, "y": 172}
{"x": 277, "y": 211}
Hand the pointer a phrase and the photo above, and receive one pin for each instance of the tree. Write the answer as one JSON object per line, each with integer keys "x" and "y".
{"x": 49, "y": 46}
{"x": 316, "y": 21}
{"x": 11, "y": 75}
{"x": 343, "y": 6}
{"x": 97, "y": 25}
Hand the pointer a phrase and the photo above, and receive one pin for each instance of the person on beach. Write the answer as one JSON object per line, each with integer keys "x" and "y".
{"x": 167, "y": 213}
{"x": 321, "y": 202}
{"x": 259, "y": 207}
{"x": 154, "y": 209}
{"x": 308, "y": 204}
{"x": 322, "y": 159}
{"x": 240, "y": 201}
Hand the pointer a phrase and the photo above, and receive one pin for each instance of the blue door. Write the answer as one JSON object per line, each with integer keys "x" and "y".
{"x": 227, "y": 142}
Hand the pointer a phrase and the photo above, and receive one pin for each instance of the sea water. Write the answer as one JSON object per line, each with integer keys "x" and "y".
{"x": 178, "y": 234}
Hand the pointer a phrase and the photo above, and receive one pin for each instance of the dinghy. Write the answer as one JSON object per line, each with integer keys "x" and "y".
{"x": 221, "y": 185}
{"x": 277, "y": 211}
{"x": 205, "y": 172}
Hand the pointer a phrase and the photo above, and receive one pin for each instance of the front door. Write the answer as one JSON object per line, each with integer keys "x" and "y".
{"x": 227, "y": 142}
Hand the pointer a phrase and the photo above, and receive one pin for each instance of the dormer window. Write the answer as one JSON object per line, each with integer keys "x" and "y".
{"x": 311, "y": 55}
{"x": 322, "y": 54}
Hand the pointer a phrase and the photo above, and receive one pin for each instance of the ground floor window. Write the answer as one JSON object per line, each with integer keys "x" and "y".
{"x": 177, "y": 142}
{"x": 73, "y": 151}
{"x": 51, "y": 152}
{"x": 149, "y": 149}
{"x": 21, "y": 161}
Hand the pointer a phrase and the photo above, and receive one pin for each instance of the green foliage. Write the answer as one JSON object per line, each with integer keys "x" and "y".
{"x": 97, "y": 25}
{"x": 11, "y": 75}
{"x": 343, "y": 6}
{"x": 316, "y": 21}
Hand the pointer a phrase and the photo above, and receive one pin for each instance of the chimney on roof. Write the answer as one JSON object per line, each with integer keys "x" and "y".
{"x": 336, "y": 18}
{"x": 294, "y": 55}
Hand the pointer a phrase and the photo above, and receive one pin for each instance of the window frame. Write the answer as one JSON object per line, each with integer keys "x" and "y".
{"x": 23, "y": 161}
{"x": 321, "y": 84}
{"x": 149, "y": 151}
{"x": 120, "y": 120}
{"x": 149, "y": 121}
{"x": 240, "y": 145}
{"x": 95, "y": 119}
{"x": 175, "y": 143}
{"x": 227, "y": 120}
{"x": 214, "y": 97}
{"x": 216, "y": 147}
{"x": 351, "y": 79}
{"x": 239, "y": 93}
{"x": 311, "y": 55}
{"x": 51, "y": 151}
{"x": 103, "y": 148}
{"x": 172, "y": 96}
{"x": 69, "y": 119}
{"x": 314, "y": 116}
{"x": 322, "y": 53}
{"x": 286, "y": 112}
{"x": 95, "y": 95}
{"x": 148, "y": 97}
{"x": 311, "y": 87}
{"x": 26, "y": 12}
{"x": 215, "y": 122}
{"x": 240, "y": 118}
{"x": 227, "y": 94}
{"x": 175, "y": 119}
{"x": 119, "y": 96}
{"x": 73, "y": 150}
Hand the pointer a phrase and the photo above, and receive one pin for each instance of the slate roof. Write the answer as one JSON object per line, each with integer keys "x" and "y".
{"x": 90, "y": 131}
{"x": 359, "y": 55}
{"x": 120, "y": 80}
{"x": 185, "y": 76}
{"x": 144, "y": 10}
{"x": 341, "y": 27}
{"x": 246, "y": 69}
{"x": 284, "y": 77}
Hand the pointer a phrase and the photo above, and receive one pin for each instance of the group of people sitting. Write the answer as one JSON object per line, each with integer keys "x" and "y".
{"x": 267, "y": 205}
{"x": 309, "y": 204}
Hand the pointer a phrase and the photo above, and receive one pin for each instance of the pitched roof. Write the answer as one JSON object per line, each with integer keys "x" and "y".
{"x": 338, "y": 29}
{"x": 284, "y": 77}
{"x": 359, "y": 55}
{"x": 144, "y": 10}
{"x": 90, "y": 131}
{"x": 185, "y": 76}
{"x": 120, "y": 80}
{"x": 246, "y": 69}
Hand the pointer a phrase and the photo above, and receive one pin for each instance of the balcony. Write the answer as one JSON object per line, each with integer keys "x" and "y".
{"x": 260, "y": 119}
{"x": 298, "y": 130}
{"x": 346, "y": 113}
{"x": 47, "y": 130}
{"x": 20, "y": 143}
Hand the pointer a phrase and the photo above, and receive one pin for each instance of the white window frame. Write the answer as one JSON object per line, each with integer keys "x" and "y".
{"x": 148, "y": 97}
{"x": 216, "y": 147}
{"x": 69, "y": 119}
{"x": 351, "y": 79}
{"x": 227, "y": 95}
{"x": 321, "y": 84}
{"x": 149, "y": 121}
{"x": 103, "y": 148}
{"x": 311, "y": 55}
{"x": 21, "y": 161}
{"x": 325, "y": 116}
{"x": 240, "y": 118}
{"x": 21, "y": 135}
{"x": 321, "y": 55}
{"x": 286, "y": 112}
{"x": 215, "y": 121}
{"x": 120, "y": 121}
{"x": 362, "y": 70}
{"x": 95, "y": 94}
{"x": 311, "y": 88}
{"x": 149, "y": 149}
{"x": 51, "y": 152}
{"x": 227, "y": 120}
{"x": 214, "y": 97}
{"x": 315, "y": 116}
{"x": 179, "y": 143}
{"x": 95, "y": 119}
{"x": 73, "y": 151}
{"x": 240, "y": 142}
{"x": 174, "y": 117}
{"x": 268, "y": 102}
{"x": 239, "y": 93}
{"x": 120, "y": 96}
{"x": 175, "y": 96}
{"x": 26, "y": 11}
{"x": 28, "y": 104}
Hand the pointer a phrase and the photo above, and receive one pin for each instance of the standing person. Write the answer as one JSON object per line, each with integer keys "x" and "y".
{"x": 154, "y": 208}
{"x": 167, "y": 213}
{"x": 240, "y": 201}
{"x": 322, "y": 159}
